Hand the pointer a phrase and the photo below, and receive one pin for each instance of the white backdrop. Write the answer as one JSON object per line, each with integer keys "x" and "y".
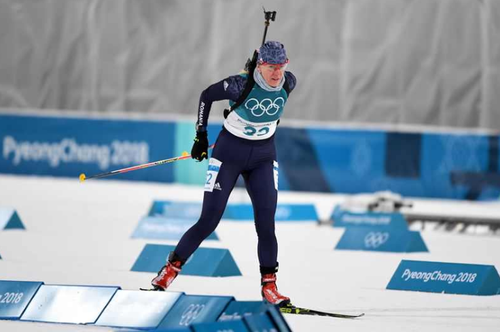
{"x": 430, "y": 62}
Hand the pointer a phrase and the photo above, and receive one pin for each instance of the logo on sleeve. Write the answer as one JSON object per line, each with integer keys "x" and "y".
{"x": 225, "y": 85}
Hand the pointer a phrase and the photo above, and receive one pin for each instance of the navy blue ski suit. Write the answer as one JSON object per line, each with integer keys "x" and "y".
{"x": 244, "y": 146}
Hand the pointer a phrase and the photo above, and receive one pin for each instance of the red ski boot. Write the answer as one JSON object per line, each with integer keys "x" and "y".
{"x": 270, "y": 292}
{"x": 167, "y": 274}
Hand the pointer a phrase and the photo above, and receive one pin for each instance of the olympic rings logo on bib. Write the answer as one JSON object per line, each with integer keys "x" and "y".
{"x": 268, "y": 106}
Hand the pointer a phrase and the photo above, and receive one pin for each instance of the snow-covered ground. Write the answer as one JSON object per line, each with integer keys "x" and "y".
{"x": 80, "y": 234}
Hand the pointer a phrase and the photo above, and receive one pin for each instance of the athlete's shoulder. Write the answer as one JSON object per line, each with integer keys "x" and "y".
{"x": 235, "y": 84}
{"x": 291, "y": 80}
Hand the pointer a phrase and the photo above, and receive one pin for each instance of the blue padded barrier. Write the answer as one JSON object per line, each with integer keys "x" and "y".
{"x": 284, "y": 212}
{"x": 381, "y": 239}
{"x": 209, "y": 262}
{"x": 191, "y": 309}
{"x": 137, "y": 309}
{"x": 165, "y": 228}
{"x": 9, "y": 219}
{"x": 451, "y": 278}
{"x": 343, "y": 218}
{"x": 233, "y": 326}
{"x": 15, "y": 297}
{"x": 68, "y": 304}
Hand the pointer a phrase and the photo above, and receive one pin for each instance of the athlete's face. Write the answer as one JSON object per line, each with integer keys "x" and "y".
{"x": 272, "y": 73}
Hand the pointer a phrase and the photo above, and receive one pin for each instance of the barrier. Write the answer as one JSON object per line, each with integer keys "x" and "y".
{"x": 340, "y": 160}
{"x": 170, "y": 209}
{"x": 266, "y": 315}
{"x": 233, "y": 326}
{"x": 284, "y": 212}
{"x": 9, "y": 219}
{"x": 137, "y": 309}
{"x": 451, "y": 278}
{"x": 238, "y": 309}
{"x": 343, "y": 218}
{"x": 381, "y": 239}
{"x": 261, "y": 323}
{"x": 191, "y": 309}
{"x": 209, "y": 262}
{"x": 68, "y": 304}
{"x": 161, "y": 228}
{"x": 15, "y": 297}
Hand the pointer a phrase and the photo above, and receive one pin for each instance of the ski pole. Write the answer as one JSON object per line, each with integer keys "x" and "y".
{"x": 184, "y": 155}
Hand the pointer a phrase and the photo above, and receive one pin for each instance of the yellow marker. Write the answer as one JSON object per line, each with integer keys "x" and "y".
{"x": 185, "y": 153}
{"x": 82, "y": 177}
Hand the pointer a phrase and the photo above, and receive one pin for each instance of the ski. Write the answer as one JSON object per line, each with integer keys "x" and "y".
{"x": 291, "y": 309}
{"x": 151, "y": 289}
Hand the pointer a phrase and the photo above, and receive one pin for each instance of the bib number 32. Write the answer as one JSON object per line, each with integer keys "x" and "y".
{"x": 252, "y": 131}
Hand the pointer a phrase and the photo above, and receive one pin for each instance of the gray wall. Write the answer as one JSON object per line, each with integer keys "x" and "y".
{"x": 431, "y": 62}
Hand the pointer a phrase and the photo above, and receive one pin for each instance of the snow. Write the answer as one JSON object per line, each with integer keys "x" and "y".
{"x": 80, "y": 234}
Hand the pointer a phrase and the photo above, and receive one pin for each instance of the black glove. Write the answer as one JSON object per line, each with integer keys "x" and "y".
{"x": 200, "y": 146}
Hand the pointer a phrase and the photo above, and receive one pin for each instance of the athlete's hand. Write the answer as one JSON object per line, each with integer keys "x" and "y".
{"x": 200, "y": 146}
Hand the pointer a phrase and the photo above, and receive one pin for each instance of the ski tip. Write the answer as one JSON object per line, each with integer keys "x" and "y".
{"x": 82, "y": 177}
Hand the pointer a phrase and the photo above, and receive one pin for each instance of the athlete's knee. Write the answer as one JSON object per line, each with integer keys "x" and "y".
{"x": 206, "y": 225}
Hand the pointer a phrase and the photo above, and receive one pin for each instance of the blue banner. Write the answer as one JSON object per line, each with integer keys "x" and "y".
{"x": 9, "y": 219}
{"x": 171, "y": 209}
{"x": 208, "y": 262}
{"x": 160, "y": 228}
{"x": 452, "y": 278}
{"x": 435, "y": 165}
{"x": 343, "y": 218}
{"x": 70, "y": 146}
{"x": 284, "y": 212}
{"x": 381, "y": 239}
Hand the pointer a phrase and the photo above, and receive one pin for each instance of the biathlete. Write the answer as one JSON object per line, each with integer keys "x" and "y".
{"x": 244, "y": 146}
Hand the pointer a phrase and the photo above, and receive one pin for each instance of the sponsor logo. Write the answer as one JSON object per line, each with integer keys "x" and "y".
{"x": 68, "y": 150}
{"x": 267, "y": 106}
{"x": 376, "y": 239}
{"x": 365, "y": 219}
{"x": 437, "y": 275}
{"x": 191, "y": 313}
{"x": 200, "y": 115}
{"x": 217, "y": 186}
{"x": 225, "y": 85}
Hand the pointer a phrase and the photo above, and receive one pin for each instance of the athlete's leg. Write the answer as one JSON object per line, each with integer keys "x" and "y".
{"x": 214, "y": 203}
{"x": 260, "y": 184}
